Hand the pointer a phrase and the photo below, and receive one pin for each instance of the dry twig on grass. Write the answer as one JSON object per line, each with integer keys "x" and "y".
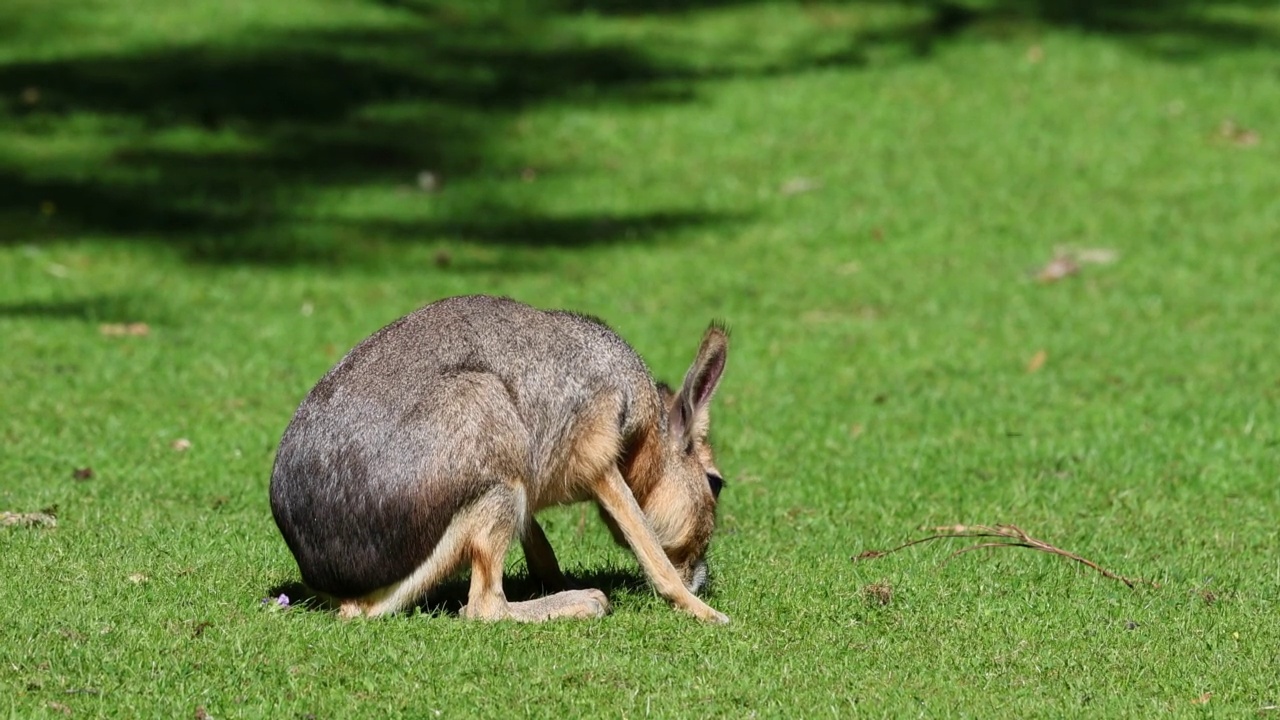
{"x": 1007, "y": 536}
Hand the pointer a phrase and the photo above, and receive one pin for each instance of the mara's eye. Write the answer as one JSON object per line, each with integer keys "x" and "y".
{"x": 716, "y": 482}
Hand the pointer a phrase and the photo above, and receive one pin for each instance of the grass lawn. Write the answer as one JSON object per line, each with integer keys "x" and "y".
{"x": 866, "y": 191}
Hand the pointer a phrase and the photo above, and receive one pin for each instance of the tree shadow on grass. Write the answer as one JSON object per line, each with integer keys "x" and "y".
{"x": 102, "y": 308}
{"x": 212, "y": 150}
{"x": 1171, "y": 29}
{"x": 233, "y": 152}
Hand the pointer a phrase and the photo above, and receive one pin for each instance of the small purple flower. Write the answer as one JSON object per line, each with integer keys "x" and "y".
{"x": 282, "y": 601}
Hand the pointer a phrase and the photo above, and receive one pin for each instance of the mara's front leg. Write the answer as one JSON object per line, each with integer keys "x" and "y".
{"x": 616, "y": 498}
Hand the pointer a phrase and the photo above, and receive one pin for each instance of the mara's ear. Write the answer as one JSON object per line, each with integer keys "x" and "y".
{"x": 690, "y": 413}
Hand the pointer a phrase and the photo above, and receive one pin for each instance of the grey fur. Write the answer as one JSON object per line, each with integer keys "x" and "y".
{"x": 422, "y": 419}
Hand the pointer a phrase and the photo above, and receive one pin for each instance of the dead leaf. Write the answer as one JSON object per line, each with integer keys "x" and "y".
{"x": 60, "y": 708}
{"x": 798, "y": 185}
{"x": 137, "y": 329}
{"x": 1095, "y": 256}
{"x": 878, "y": 594}
{"x": 1061, "y": 266}
{"x": 138, "y": 578}
{"x": 36, "y": 519}
{"x": 84, "y": 473}
{"x": 1203, "y": 699}
{"x": 202, "y": 714}
{"x": 1037, "y": 361}
{"x": 1234, "y": 133}
{"x": 428, "y": 182}
{"x": 181, "y": 445}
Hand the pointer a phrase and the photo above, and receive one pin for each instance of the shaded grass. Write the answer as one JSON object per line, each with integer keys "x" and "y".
{"x": 883, "y": 317}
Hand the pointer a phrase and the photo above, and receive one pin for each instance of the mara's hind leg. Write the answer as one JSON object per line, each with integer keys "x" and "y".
{"x": 446, "y": 559}
{"x": 487, "y": 601}
{"x": 544, "y": 569}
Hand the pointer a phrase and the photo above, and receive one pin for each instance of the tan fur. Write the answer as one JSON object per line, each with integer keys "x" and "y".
{"x": 642, "y": 463}
{"x": 594, "y": 447}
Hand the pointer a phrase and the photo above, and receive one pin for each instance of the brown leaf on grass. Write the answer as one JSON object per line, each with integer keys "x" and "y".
{"x": 1068, "y": 261}
{"x": 82, "y": 474}
{"x": 1004, "y": 536}
{"x": 1095, "y": 256}
{"x": 798, "y": 185}
{"x": 60, "y": 708}
{"x": 878, "y": 594}
{"x": 1203, "y": 699}
{"x": 202, "y": 714}
{"x": 137, "y": 329}
{"x": 181, "y": 445}
{"x": 138, "y": 579}
{"x": 428, "y": 182}
{"x": 1061, "y": 266}
{"x": 1037, "y": 361}
{"x": 1235, "y": 134}
{"x": 36, "y": 519}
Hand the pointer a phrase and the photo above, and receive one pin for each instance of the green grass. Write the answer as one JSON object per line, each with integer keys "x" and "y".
{"x": 242, "y": 177}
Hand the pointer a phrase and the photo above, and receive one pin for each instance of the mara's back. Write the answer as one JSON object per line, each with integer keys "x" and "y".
{"x": 423, "y": 417}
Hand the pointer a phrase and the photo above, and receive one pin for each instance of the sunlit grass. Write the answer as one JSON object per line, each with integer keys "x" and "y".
{"x": 865, "y": 199}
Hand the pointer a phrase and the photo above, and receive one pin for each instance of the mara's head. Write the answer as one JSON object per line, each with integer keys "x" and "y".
{"x": 681, "y": 505}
